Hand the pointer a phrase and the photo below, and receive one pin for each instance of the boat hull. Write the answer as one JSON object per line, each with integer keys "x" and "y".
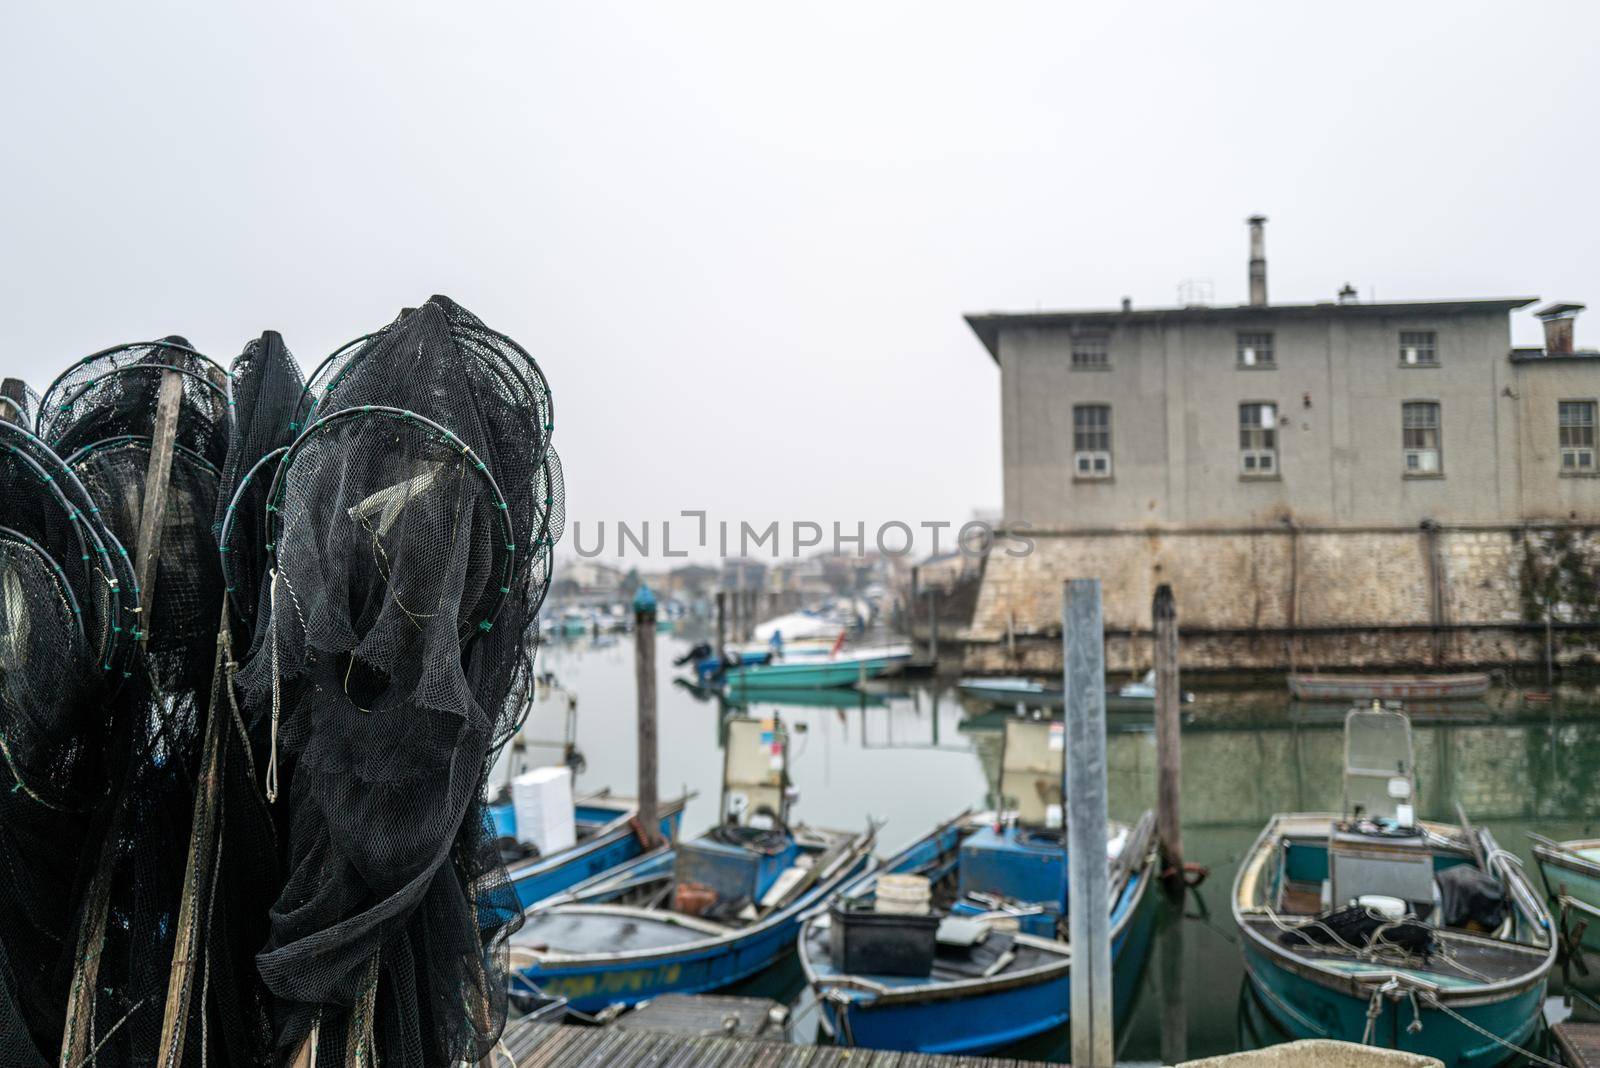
{"x": 1297, "y": 1006}
{"x": 1577, "y": 878}
{"x": 1388, "y": 687}
{"x": 534, "y": 881}
{"x": 984, "y": 1021}
{"x": 594, "y": 982}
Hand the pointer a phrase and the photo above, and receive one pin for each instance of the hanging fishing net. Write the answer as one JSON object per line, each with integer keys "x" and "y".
{"x": 410, "y": 527}
{"x": 102, "y": 415}
{"x": 267, "y": 390}
{"x": 61, "y": 641}
{"x": 115, "y": 392}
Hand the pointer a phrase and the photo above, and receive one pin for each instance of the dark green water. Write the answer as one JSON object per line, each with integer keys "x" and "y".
{"x": 915, "y": 755}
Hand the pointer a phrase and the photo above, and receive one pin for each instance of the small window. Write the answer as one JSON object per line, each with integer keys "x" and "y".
{"x": 1091, "y": 440}
{"x": 1258, "y": 439}
{"x": 1091, "y": 351}
{"x": 1255, "y": 350}
{"x": 1577, "y": 436}
{"x": 1419, "y": 437}
{"x": 1419, "y": 348}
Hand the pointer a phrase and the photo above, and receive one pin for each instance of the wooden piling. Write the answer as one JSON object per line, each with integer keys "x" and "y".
{"x": 13, "y": 401}
{"x": 1169, "y": 750}
{"x": 722, "y": 624}
{"x": 644, "y": 668}
{"x": 152, "y": 519}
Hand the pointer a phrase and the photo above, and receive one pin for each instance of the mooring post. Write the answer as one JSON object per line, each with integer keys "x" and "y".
{"x": 644, "y": 669}
{"x": 933, "y": 631}
{"x": 911, "y": 607}
{"x": 157, "y": 477}
{"x": 1084, "y": 788}
{"x": 1169, "y": 749}
{"x": 722, "y": 626}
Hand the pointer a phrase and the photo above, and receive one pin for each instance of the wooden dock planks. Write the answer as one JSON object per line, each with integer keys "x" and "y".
{"x": 565, "y": 1046}
{"x": 1579, "y": 1043}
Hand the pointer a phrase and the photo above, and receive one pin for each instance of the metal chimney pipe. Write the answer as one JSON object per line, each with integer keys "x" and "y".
{"x": 1258, "y": 261}
{"x": 1557, "y": 320}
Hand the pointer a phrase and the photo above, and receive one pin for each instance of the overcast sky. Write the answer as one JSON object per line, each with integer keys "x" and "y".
{"x": 739, "y": 237}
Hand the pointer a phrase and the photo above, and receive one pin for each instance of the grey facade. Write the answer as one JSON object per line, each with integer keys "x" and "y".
{"x": 1334, "y": 485}
{"x": 1173, "y": 382}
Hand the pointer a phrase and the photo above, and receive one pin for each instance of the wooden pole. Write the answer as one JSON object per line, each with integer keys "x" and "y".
{"x": 13, "y": 399}
{"x": 1169, "y": 750}
{"x": 911, "y": 606}
{"x": 722, "y": 626}
{"x": 1083, "y": 788}
{"x": 933, "y": 631}
{"x": 156, "y": 481}
{"x": 644, "y": 669}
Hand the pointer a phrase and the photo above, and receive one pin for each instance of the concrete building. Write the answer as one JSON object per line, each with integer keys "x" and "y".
{"x": 1302, "y": 474}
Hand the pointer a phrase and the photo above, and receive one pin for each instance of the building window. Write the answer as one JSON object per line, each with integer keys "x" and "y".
{"x": 1091, "y": 440}
{"x": 1419, "y": 348}
{"x": 1577, "y": 436}
{"x": 1255, "y": 350}
{"x": 1258, "y": 439}
{"x": 1419, "y": 437}
{"x": 1091, "y": 351}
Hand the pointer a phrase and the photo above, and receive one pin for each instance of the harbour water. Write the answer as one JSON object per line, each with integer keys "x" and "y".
{"x": 913, "y": 753}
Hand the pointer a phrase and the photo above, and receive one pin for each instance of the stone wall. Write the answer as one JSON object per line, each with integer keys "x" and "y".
{"x": 1277, "y": 598}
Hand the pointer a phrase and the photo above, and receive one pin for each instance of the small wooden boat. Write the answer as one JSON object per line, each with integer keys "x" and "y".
{"x": 1371, "y": 926}
{"x": 1002, "y": 967}
{"x": 843, "y": 668}
{"x": 606, "y": 839}
{"x": 1571, "y": 875}
{"x": 1136, "y": 696}
{"x": 1389, "y": 687}
{"x": 701, "y": 915}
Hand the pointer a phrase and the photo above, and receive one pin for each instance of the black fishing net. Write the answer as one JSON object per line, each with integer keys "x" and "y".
{"x": 59, "y": 662}
{"x": 410, "y": 535}
{"x": 114, "y": 393}
{"x": 267, "y": 391}
{"x": 102, "y": 414}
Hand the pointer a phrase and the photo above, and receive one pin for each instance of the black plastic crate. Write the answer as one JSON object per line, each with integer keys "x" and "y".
{"x": 880, "y": 943}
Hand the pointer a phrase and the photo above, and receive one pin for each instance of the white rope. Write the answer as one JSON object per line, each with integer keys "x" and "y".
{"x": 277, "y": 695}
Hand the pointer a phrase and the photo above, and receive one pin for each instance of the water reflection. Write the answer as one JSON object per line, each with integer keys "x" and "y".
{"x": 913, "y": 755}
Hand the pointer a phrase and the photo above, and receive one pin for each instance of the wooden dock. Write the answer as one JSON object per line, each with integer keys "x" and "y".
{"x": 565, "y": 1046}
{"x": 1579, "y": 1043}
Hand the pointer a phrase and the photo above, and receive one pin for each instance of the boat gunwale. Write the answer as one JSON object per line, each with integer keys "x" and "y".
{"x": 522, "y": 958}
{"x": 1567, "y": 859}
{"x": 627, "y": 809}
{"x": 959, "y": 989}
{"x": 1362, "y": 985}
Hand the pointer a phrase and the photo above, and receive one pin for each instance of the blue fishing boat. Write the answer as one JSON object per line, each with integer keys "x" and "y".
{"x": 1373, "y": 926}
{"x": 1138, "y": 695}
{"x": 609, "y": 835}
{"x": 844, "y": 667}
{"x": 987, "y": 963}
{"x": 700, "y": 915}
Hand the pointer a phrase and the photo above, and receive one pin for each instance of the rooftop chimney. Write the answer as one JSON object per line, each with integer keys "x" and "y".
{"x": 1557, "y": 320}
{"x": 1347, "y": 295}
{"x": 1258, "y": 261}
{"x": 1127, "y": 304}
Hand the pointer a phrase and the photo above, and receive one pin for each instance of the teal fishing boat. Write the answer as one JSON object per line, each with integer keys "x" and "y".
{"x": 843, "y": 668}
{"x": 1571, "y": 875}
{"x": 1373, "y": 926}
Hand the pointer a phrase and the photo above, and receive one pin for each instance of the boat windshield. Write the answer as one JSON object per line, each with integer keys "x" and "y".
{"x": 1379, "y": 773}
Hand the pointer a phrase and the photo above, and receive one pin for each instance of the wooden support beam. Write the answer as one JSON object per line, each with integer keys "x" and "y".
{"x": 157, "y": 479}
{"x": 1169, "y": 750}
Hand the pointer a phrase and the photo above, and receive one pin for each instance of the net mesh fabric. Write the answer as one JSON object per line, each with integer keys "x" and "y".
{"x": 399, "y": 631}
{"x": 114, "y": 393}
{"x": 50, "y": 673}
{"x": 386, "y": 570}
